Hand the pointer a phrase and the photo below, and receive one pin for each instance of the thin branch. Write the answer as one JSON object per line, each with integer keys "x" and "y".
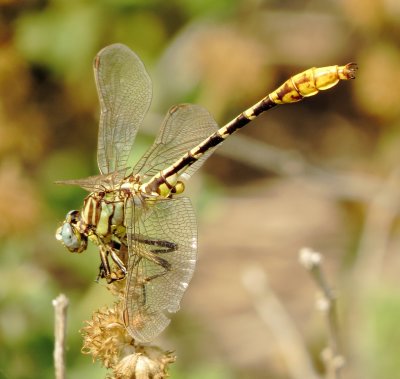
{"x": 60, "y": 326}
{"x": 332, "y": 357}
{"x": 279, "y": 323}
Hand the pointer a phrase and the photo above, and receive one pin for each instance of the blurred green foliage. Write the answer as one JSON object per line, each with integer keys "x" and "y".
{"x": 224, "y": 55}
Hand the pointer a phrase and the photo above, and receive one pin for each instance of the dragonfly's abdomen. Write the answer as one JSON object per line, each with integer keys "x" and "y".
{"x": 296, "y": 88}
{"x": 311, "y": 81}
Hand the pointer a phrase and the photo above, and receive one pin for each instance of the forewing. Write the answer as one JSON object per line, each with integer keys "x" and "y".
{"x": 90, "y": 184}
{"x": 124, "y": 90}
{"x": 162, "y": 242}
{"x": 183, "y": 128}
{"x": 96, "y": 183}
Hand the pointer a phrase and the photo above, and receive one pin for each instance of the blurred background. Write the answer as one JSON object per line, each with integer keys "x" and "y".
{"x": 323, "y": 173}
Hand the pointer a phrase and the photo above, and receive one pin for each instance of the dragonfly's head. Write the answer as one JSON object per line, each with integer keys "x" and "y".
{"x": 69, "y": 235}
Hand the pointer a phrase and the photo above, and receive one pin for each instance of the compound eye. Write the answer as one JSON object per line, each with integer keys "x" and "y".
{"x": 71, "y": 238}
{"x": 72, "y": 216}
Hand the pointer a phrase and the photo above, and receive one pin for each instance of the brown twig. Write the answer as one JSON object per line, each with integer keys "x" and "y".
{"x": 332, "y": 357}
{"x": 60, "y": 326}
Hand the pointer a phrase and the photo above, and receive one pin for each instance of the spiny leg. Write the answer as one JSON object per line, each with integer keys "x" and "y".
{"x": 121, "y": 273}
{"x": 160, "y": 262}
{"x": 113, "y": 251}
{"x": 105, "y": 268}
{"x": 165, "y": 246}
{"x": 143, "y": 281}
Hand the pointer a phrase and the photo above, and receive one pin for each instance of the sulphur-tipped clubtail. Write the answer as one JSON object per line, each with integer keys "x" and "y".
{"x": 137, "y": 217}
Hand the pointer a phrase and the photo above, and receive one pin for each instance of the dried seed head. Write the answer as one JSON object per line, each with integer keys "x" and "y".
{"x": 149, "y": 362}
{"x": 108, "y": 341}
{"x": 105, "y": 336}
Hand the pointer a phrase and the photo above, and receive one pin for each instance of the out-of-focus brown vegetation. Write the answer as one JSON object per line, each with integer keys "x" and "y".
{"x": 323, "y": 173}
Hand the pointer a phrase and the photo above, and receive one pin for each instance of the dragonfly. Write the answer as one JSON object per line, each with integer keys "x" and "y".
{"x": 144, "y": 228}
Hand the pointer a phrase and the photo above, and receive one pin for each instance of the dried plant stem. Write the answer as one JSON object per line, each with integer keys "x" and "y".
{"x": 275, "y": 317}
{"x": 332, "y": 357}
{"x": 60, "y": 309}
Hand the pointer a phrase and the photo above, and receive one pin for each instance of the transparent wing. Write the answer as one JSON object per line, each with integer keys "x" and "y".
{"x": 124, "y": 90}
{"x": 162, "y": 243}
{"x": 96, "y": 183}
{"x": 183, "y": 128}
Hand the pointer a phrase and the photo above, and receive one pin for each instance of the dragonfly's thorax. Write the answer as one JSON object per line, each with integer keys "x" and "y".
{"x": 103, "y": 213}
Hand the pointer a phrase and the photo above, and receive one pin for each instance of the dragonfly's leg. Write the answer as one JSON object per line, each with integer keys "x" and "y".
{"x": 164, "y": 246}
{"x": 121, "y": 273}
{"x": 144, "y": 281}
{"x": 104, "y": 270}
{"x": 161, "y": 262}
{"x": 118, "y": 255}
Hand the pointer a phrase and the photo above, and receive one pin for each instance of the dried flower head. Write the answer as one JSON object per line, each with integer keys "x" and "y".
{"x": 105, "y": 335}
{"x": 146, "y": 362}
{"x": 108, "y": 341}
